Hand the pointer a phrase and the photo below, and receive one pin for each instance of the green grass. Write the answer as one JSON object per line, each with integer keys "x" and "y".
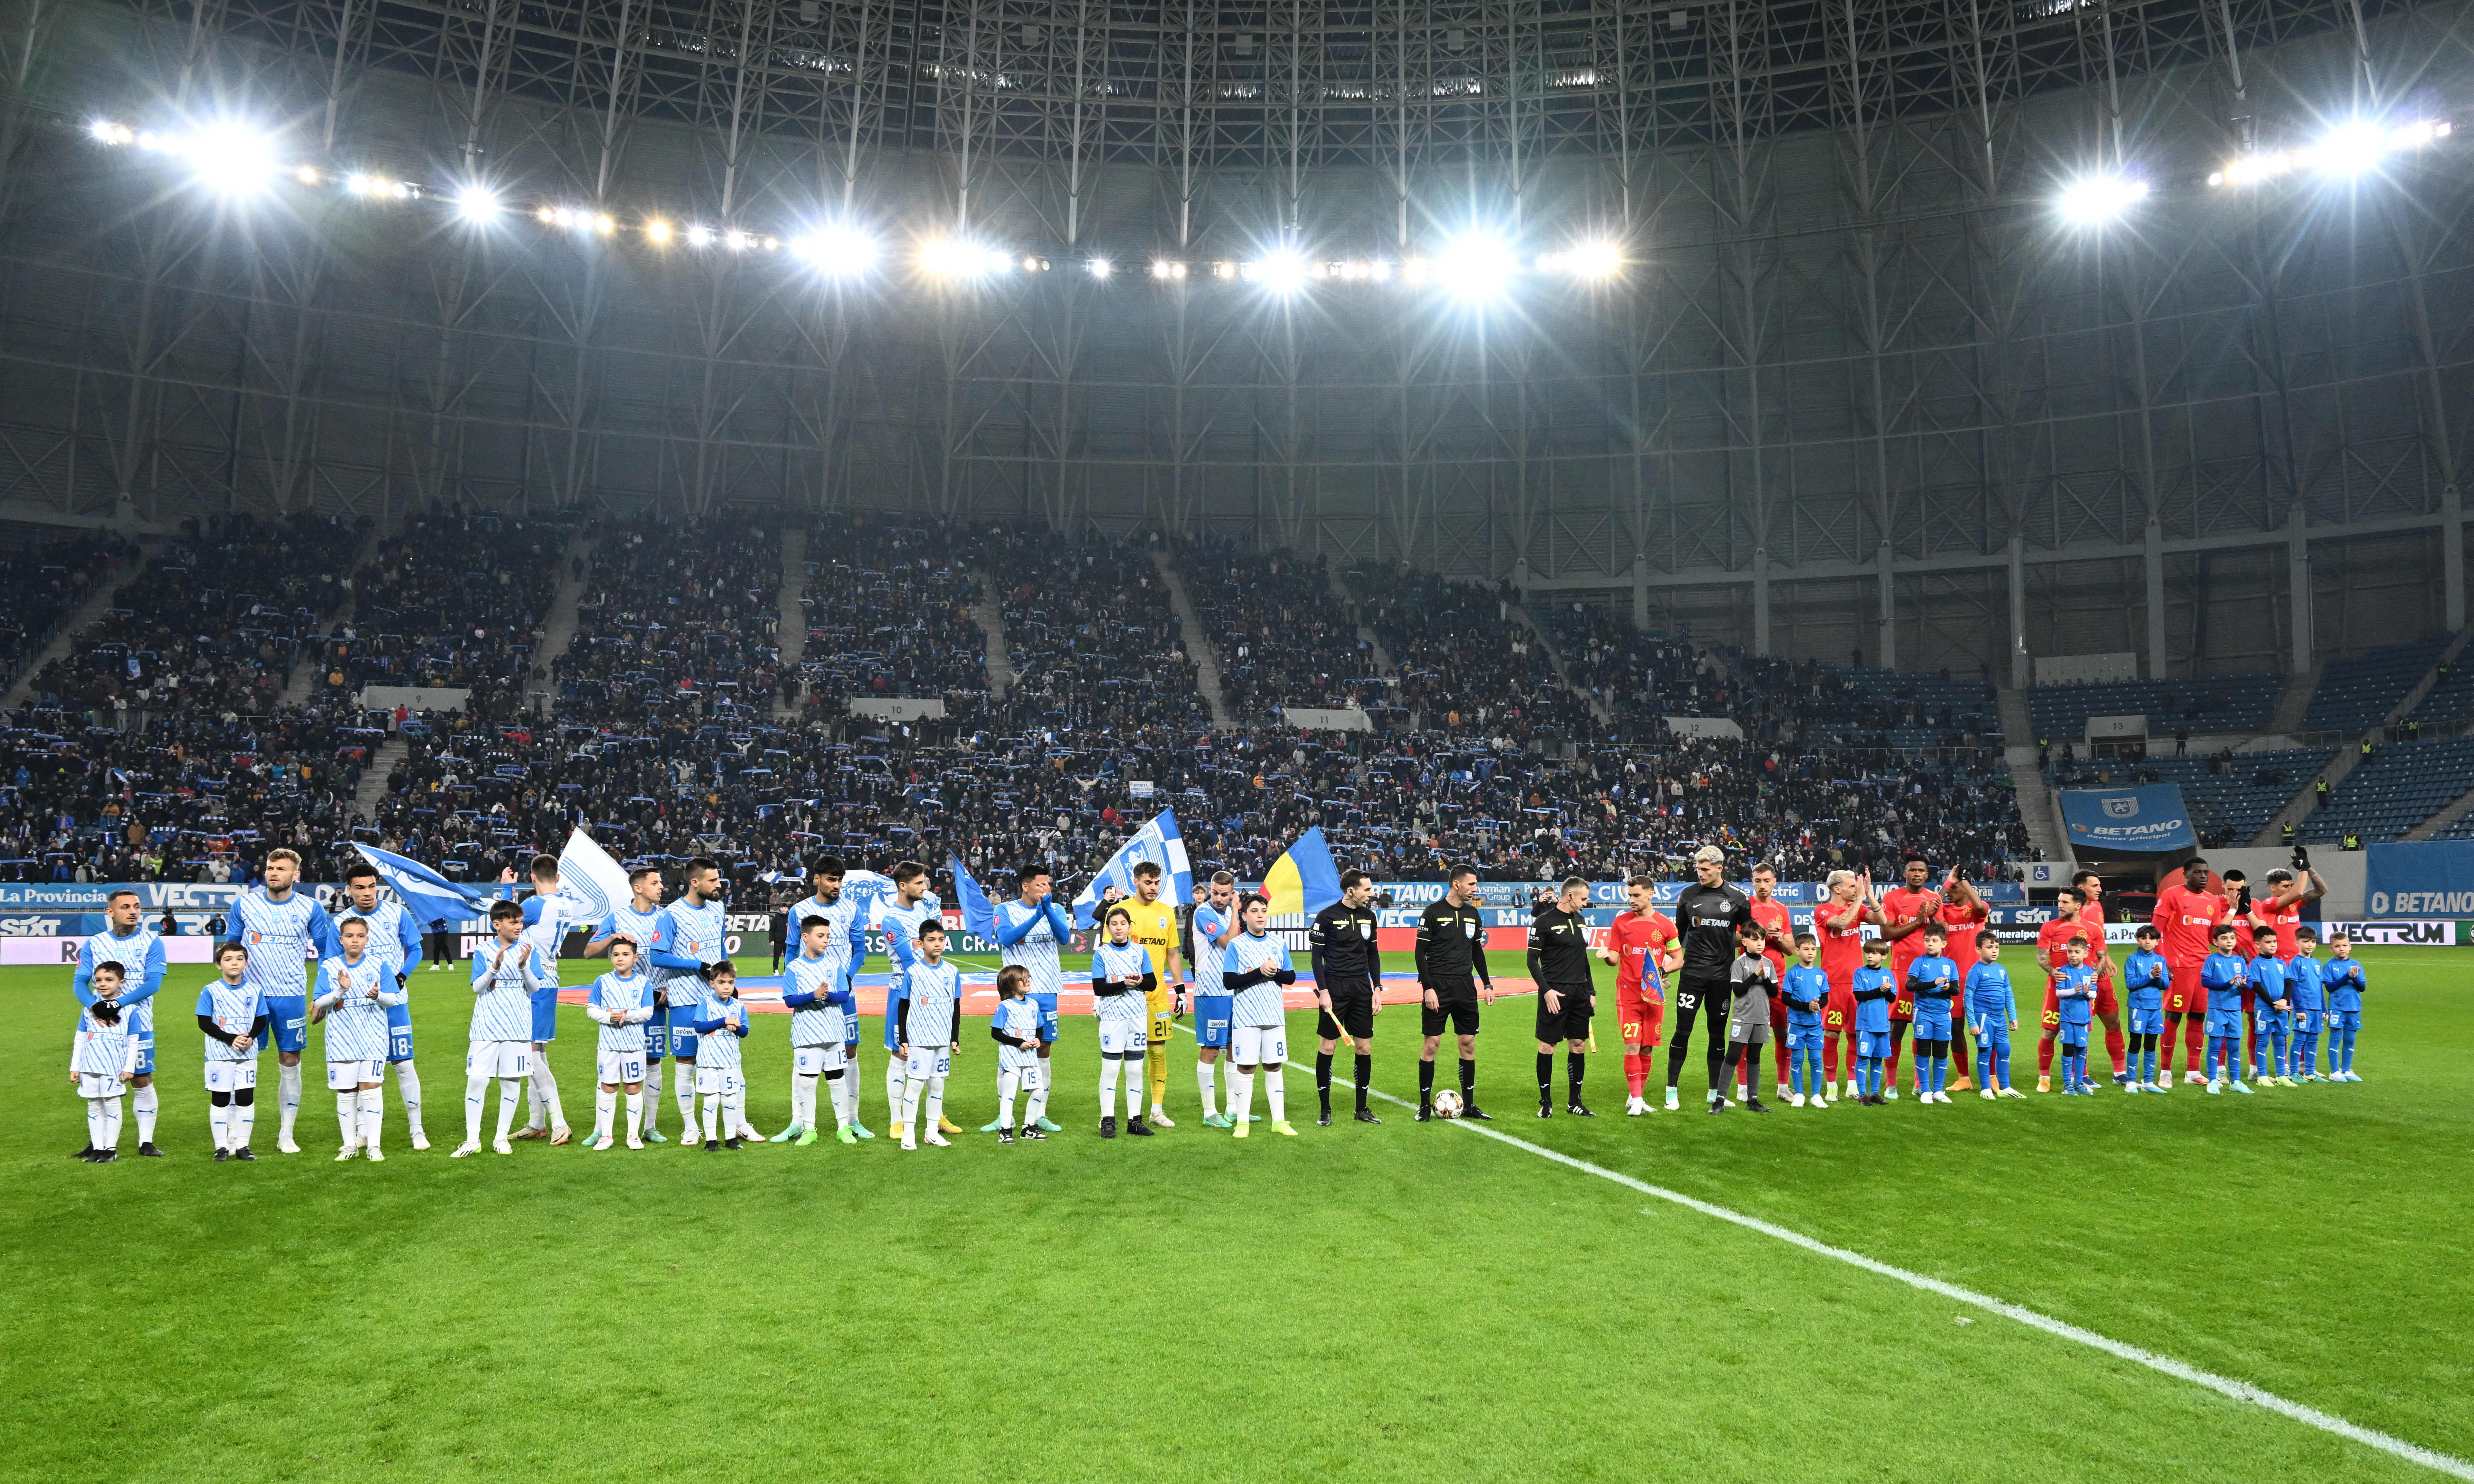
{"x": 1395, "y": 1302}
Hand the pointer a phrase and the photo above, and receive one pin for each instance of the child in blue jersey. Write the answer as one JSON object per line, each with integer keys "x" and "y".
{"x": 2342, "y": 981}
{"x": 2303, "y": 986}
{"x": 720, "y": 1076}
{"x": 138, "y": 950}
{"x": 498, "y": 1047}
{"x": 1804, "y": 991}
{"x": 821, "y": 1005}
{"x": 1991, "y": 1015}
{"x": 825, "y": 904}
{"x": 1216, "y": 925}
{"x": 691, "y": 939}
{"x": 356, "y": 989}
{"x": 2271, "y": 1016}
{"x": 232, "y": 1017}
{"x": 2224, "y": 975}
{"x": 2145, "y": 976}
{"x": 621, "y": 1004}
{"x": 638, "y": 920}
{"x": 1874, "y": 989}
{"x": 1033, "y": 932}
{"x": 1016, "y": 1031}
{"x": 2074, "y": 990}
{"x": 902, "y": 915}
{"x": 394, "y": 939}
{"x": 1121, "y": 978}
{"x": 1933, "y": 980}
{"x": 284, "y": 928}
{"x": 101, "y": 1062}
{"x": 927, "y": 1021}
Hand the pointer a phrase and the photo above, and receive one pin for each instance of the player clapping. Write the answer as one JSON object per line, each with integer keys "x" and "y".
{"x": 500, "y": 1050}
{"x": 621, "y": 1004}
{"x": 356, "y": 990}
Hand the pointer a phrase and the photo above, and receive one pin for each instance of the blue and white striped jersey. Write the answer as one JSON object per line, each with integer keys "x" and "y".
{"x": 395, "y": 938}
{"x": 104, "y": 1048}
{"x": 233, "y": 1008}
{"x": 902, "y": 938}
{"x": 1257, "y": 1004}
{"x": 140, "y": 957}
{"x": 356, "y": 1025}
{"x": 1116, "y": 961}
{"x": 1019, "y": 1017}
{"x": 1037, "y": 949}
{"x": 639, "y": 925}
{"x": 720, "y": 1047}
{"x": 684, "y": 930}
{"x": 502, "y": 999}
{"x": 935, "y": 990}
{"x": 545, "y": 925}
{"x": 617, "y": 996}
{"x": 281, "y": 938}
{"x": 844, "y": 914}
{"x": 1209, "y": 922}
{"x": 818, "y": 1024}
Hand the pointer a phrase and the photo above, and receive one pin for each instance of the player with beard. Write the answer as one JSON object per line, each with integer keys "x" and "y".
{"x": 1707, "y": 914}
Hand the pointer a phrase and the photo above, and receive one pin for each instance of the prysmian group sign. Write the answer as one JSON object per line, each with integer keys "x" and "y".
{"x": 2398, "y": 934}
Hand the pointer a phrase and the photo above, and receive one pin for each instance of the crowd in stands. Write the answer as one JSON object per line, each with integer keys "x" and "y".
{"x": 48, "y": 576}
{"x": 661, "y": 733}
{"x": 1283, "y": 638}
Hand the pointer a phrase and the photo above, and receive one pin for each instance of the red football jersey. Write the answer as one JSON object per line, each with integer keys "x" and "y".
{"x": 1842, "y": 948}
{"x": 1963, "y": 920}
{"x": 1771, "y": 913}
{"x": 2091, "y": 924}
{"x": 1903, "y": 906}
{"x": 2186, "y": 919}
{"x": 1638, "y": 941}
{"x": 2052, "y": 940}
{"x": 2283, "y": 924}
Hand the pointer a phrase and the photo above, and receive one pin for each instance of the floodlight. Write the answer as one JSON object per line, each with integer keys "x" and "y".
{"x": 104, "y": 131}
{"x": 699, "y": 236}
{"x": 839, "y": 252}
{"x": 603, "y": 223}
{"x": 1282, "y": 271}
{"x": 308, "y": 175}
{"x": 229, "y": 159}
{"x": 658, "y": 231}
{"x": 1475, "y": 266}
{"x": 1599, "y": 257}
{"x": 1100, "y": 267}
{"x": 477, "y": 205}
{"x": 958, "y": 258}
{"x": 2095, "y": 199}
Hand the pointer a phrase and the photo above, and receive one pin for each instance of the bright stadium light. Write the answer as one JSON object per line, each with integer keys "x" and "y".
{"x": 228, "y": 158}
{"x": 658, "y": 231}
{"x": 839, "y": 252}
{"x": 1282, "y": 271}
{"x": 476, "y": 204}
{"x": 1599, "y": 257}
{"x": 104, "y": 131}
{"x": 2095, "y": 198}
{"x": 1475, "y": 266}
{"x": 699, "y": 235}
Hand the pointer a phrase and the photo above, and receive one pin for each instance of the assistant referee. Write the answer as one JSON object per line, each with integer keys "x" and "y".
{"x": 1707, "y": 914}
{"x": 1349, "y": 986}
{"x": 1451, "y": 968}
{"x": 1559, "y": 964}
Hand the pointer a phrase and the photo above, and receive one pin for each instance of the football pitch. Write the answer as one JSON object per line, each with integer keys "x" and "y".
{"x": 1401, "y": 1301}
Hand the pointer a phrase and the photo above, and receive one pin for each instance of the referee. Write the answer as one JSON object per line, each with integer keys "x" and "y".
{"x": 1559, "y": 963}
{"x": 1348, "y": 986}
{"x": 1451, "y": 968}
{"x": 1708, "y": 915}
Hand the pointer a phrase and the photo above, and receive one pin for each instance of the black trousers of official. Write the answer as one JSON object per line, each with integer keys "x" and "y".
{"x": 1693, "y": 998}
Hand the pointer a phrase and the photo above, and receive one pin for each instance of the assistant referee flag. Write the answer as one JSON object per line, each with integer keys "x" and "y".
{"x": 1303, "y": 880}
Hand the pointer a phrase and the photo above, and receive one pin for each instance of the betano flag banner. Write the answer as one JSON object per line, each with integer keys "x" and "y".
{"x": 1158, "y": 842}
{"x": 979, "y": 914}
{"x": 2127, "y": 821}
{"x": 1303, "y": 880}
{"x": 2424, "y": 878}
{"x": 428, "y": 896}
{"x": 590, "y": 882}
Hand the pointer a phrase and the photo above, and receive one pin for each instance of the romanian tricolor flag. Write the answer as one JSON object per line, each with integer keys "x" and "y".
{"x": 1304, "y": 881}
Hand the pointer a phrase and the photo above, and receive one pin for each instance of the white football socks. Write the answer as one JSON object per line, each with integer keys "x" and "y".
{"x": 712, "y": 1116}
{"x": 896, "y": 1073}
{"x": 1274, "y": 1092}
{"x": 511, "y": 1092}
{"x": 1205, "y": 1077}
{"x": 803, "y": 1099}
{"x": 652, "y": 1094}
{"x": 1241, "y": 1102}
{"x": 219, "y": 1118}
{"x": 934, "y": 1111}
{"x": 1037, "y": 1107}
{"x": 347, "y": 1117}
{"x": 686, "y": 1098}
{"x": 407, "y": 1082}
{"x": 1108, "y": 1068}
{"x": 244, "y": 1119}
{"x": 477, "y": 1091}
{"x": 373, "y": 1117}
{"x": 143, "y": 1101}
{"x": 635, "y": 1106}
{"x": 605, "y": 1108}
{"x": 1007, "y": 1082}
{"x": 287, "y": 1100}
{"x": 1133, "y": 1090}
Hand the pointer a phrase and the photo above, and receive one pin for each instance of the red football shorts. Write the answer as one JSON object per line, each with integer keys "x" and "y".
{"x": 1642, "y": 1017}
{"x": 1838, "y": 1014}
{"x": 2184, "y": 996}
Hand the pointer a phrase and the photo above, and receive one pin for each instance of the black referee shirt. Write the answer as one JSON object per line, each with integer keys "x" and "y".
{"x": 1706, "y": 918}
{"x": 1558, "y": 950}
{"x": 1451, "y": 944}
{"x": 1342, "y": 940}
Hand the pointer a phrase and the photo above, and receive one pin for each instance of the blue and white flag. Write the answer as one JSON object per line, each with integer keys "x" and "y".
{"x": 871, "y": 890}
{"x": 590, "y": 882}
{"x": 428, "y": 896}
{"x": 979, "y": 914}
{"x": 1158, "y": 842}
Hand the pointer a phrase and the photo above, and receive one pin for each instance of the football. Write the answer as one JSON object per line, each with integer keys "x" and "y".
{"x": 1447, "y": 1103}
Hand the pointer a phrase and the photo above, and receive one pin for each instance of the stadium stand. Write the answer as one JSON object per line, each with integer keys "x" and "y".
{"x": 47, "y": 576}
{"x": 887, "y": 609}
{"x": 1463, "y": 668}
{"x": 2401, "y": 785}
{"x": 2451, "y": 700}
{"x": 2356, "y": 694}
{"x": 2209, "y": 705}
{"x": 678, "y": 620}
{"x": 1284, "y": 638}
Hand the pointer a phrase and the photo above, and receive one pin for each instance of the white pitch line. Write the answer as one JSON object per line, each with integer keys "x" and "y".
{"x": 2223, "y": 1385}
